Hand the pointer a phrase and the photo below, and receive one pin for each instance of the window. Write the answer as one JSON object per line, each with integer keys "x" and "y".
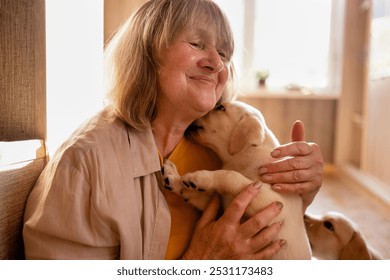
{"x": 293, "y": 40}
{"x": 380, "y": 40}
{"x": 74, "y": 55}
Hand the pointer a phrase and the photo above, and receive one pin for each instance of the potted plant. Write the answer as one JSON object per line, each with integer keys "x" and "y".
{"x": 262, "y": 76}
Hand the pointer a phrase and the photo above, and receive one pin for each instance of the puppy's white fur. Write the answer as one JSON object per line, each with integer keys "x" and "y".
{"x": 333, "y": 236}
{"x": 238, "y": 134}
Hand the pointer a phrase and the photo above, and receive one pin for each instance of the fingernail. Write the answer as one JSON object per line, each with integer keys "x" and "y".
{"x": 257, "y": 185}
{"x": 263, "y": 170}
{"x": 279, "y": 204}
{"x": 276, "y": 187}
{"x": 275, "y": 153}
{"x": 282, "y": 242}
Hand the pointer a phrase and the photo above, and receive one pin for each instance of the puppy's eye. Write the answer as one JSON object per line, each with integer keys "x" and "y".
{"x": 220, "y": 107}
{"x": 329, "y": 225}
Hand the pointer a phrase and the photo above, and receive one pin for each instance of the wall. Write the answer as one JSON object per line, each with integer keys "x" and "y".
{"x": 378, "y": 130}
{"x": 351, "y": 121}
{"x": 362, "y": 132}
{"x": 115, "y": 12}
{"x": 318, "y": 115}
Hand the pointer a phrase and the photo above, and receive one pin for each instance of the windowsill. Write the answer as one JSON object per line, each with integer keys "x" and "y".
{"x": 288, "y": 94}
{"x": 15, "y": 153}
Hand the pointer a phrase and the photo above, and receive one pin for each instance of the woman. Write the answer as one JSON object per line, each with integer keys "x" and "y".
{"x": 100, "y": 197}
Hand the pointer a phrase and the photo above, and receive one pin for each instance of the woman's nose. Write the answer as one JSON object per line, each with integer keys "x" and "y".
{"x": 212, "y": 62}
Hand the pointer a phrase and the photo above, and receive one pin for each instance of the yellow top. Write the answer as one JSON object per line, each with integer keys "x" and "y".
{"x": 188, "y": 157}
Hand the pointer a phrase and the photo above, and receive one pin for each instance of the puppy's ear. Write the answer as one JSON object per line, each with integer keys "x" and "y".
{"x": 356, "y": 249}
{"x": 247, "y": 132}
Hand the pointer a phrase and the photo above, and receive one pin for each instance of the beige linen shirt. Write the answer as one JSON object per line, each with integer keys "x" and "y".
{"x": 99, "y": 197}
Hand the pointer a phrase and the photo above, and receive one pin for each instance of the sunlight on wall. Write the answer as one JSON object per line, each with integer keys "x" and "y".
{"x": 380, "y": 40}
{"x": 74, "y": 47}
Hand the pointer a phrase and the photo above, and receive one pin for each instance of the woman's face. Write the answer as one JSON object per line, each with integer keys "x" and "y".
{"x": 193, "y": 73}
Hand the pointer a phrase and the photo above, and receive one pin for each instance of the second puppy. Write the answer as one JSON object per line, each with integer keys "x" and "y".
{"x": 333, "y": 236}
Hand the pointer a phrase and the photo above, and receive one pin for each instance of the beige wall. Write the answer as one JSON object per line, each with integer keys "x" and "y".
{"x": 317, "y": 114}
{"x": 362, "y": 135}
{"x": 115, "y": 12}
{"x": 378, "y": 130}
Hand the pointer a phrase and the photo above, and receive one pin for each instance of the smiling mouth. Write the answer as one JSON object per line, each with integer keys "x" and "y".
{"x": 204, "y": 79}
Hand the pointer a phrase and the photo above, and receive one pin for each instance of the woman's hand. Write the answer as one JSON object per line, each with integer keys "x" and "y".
{"x": 228, "y": 238}
{"x": 298, "y": 168}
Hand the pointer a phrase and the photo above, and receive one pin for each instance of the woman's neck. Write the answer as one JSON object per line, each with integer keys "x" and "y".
{"x": 170, "y": 125}
{"x": 167, "y": 136}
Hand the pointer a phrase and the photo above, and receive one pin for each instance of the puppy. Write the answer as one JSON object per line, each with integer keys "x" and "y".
{"x": 237, "y": 133}
{"x": 335, "y": 237}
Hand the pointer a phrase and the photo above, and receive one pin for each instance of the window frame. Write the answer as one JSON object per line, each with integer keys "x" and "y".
{"x": 246, "y": 80}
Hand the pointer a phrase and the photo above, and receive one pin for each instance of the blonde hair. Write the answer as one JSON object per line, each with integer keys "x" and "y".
{"x": 131, "y": 56}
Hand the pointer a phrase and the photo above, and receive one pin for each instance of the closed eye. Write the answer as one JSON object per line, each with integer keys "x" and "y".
{"x": 329, "y": 225}
{"x": 219, "y": 107}
{"x": 197, "y": 45}
{"x": 222, "y": 55}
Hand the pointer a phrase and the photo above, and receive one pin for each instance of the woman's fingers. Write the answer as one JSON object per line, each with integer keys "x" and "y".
{"x": 254, "y": 225}
{"x": 298, "y": 131}
{"x": 306, "y": 166}
{"x": 300, "y": 148}
{"x": 211, "y": 212}
{"x": 236, "y": 209}
{"x": 269, "y": 251}
{"x": 230, "y": 238}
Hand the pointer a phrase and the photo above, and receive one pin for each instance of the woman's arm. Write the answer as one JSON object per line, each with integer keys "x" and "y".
{"x": 60, "y": 217}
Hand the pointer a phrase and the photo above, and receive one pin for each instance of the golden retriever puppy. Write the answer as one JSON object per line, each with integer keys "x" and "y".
{"x": 333, "y": 236}
{"x": 238, "y": 134}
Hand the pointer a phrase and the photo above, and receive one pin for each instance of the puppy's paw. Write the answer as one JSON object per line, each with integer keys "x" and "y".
{"x": 185, "y": 186}
{"x": 198, "y": 181}
{"x": 172, "y": 179}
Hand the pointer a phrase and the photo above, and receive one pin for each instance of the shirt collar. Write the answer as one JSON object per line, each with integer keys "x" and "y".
{"x": 143, "y": 151}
